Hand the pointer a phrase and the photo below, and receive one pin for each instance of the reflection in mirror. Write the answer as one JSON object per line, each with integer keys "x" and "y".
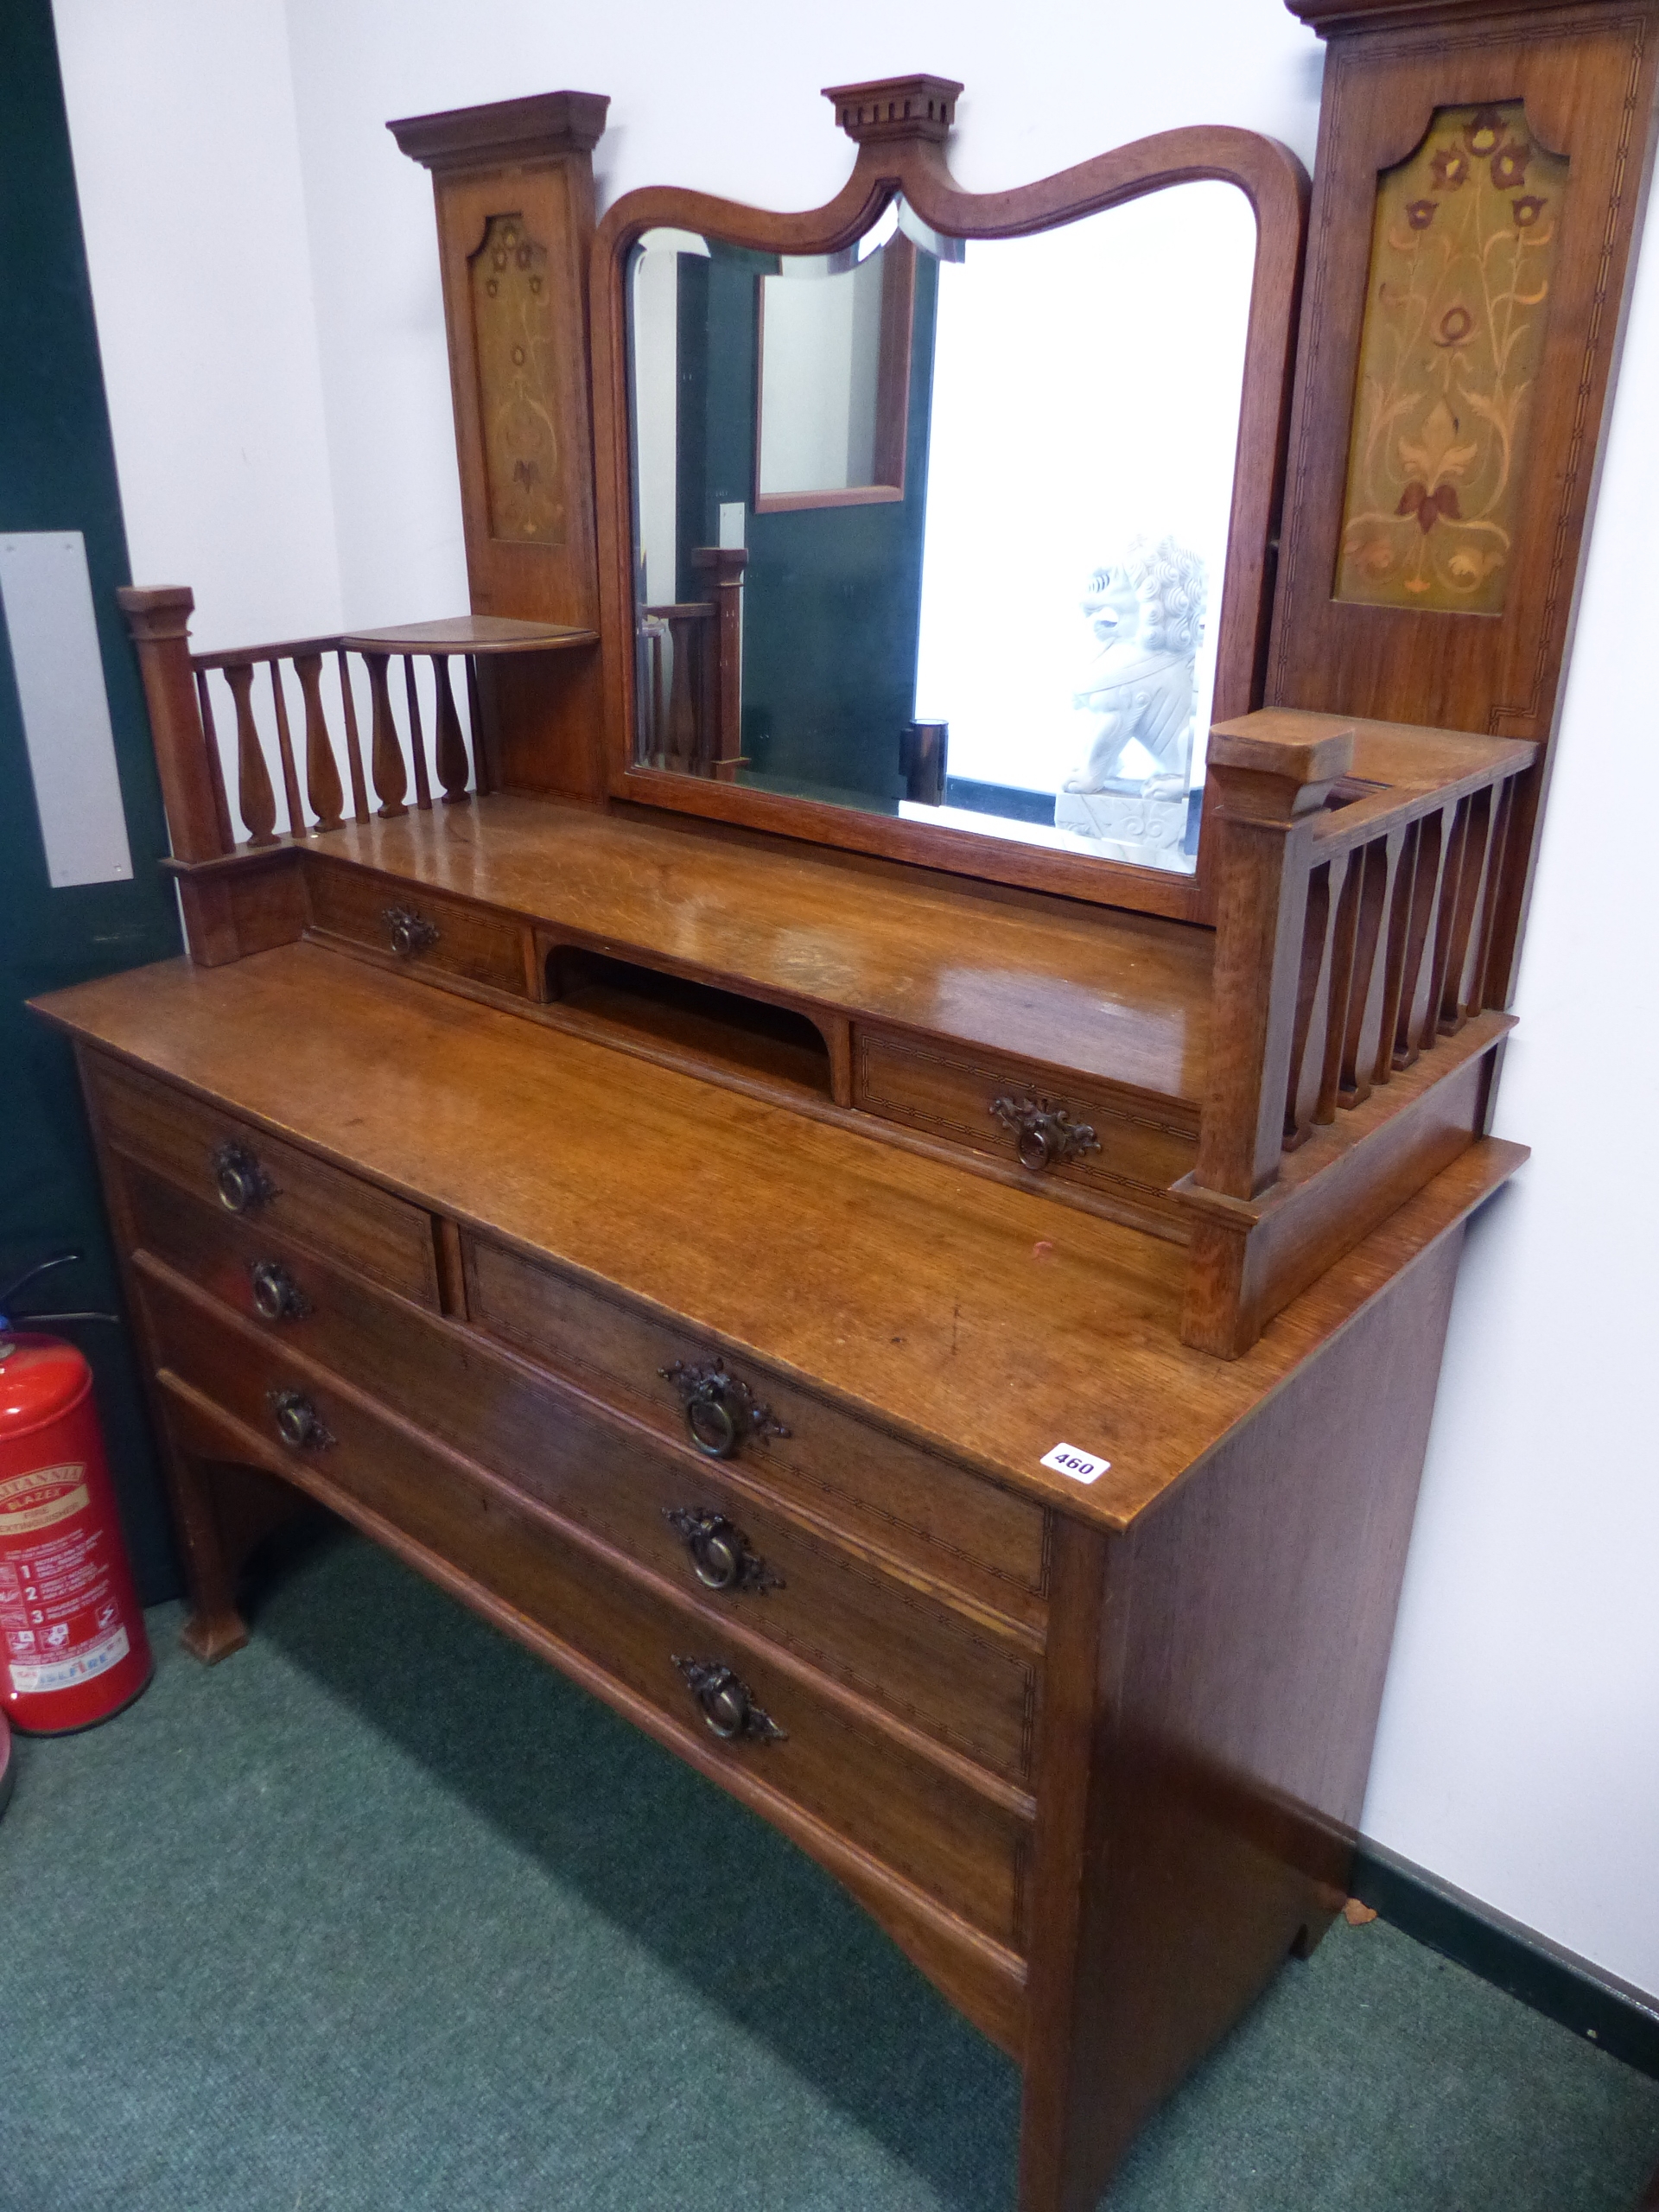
{"x": 937, "y": 529}
{"x": 833, "y": 350}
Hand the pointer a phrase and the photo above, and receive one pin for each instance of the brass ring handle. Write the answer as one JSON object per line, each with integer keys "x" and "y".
{"x": 727, "y": 1705}
{"x": 277, "y": 1296}
{"x": 1039, "y": 1146}
{"x": 709, "y": 1424}
{"x": 1043, "y": 1133}
{"x": 408, "y": 932}
{"x": 241, "y": 1182}
{"x": 721, "y": 1557}
{"x": 719, "y": 1407}
{"x": 298, "y": 1423}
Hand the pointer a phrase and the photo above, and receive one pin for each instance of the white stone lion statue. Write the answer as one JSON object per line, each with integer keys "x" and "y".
{"x": 1146, "y": 616}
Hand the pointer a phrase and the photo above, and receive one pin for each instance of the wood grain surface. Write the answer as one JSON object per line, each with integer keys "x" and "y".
{"x": 974, "y": 1320}
{"x": 1123, "y": 996}
{"x": 984, "y": 1977}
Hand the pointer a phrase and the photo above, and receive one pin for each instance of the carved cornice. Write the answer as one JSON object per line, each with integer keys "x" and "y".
{"x": 896, "y": 107}
{"x": 535, "y": 129}
{"x": 1333, "y": 18}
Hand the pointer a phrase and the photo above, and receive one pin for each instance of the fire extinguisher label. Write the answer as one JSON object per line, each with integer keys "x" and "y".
{"x": 42, "y": 1496}
{"x": 64, "y": 1674}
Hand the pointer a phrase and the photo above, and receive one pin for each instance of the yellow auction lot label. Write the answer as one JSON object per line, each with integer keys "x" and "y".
{"x": 43, "y": 1496}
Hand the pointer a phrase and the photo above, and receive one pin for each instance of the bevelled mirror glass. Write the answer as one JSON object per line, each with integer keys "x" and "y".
{"x": 938, "y": 528}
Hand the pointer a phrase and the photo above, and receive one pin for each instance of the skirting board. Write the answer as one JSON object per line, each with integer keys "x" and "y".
{"x": 1594, "y": 2003}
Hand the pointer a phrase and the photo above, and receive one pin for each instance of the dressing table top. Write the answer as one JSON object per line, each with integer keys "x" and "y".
{"x": 973, "y": 1318}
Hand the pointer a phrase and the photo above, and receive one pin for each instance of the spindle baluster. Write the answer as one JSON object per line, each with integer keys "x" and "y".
{"x": 450, "y": 750}
{"x": 1459, "y": 1001}
{"x": 1316, "y": 947}
{"x": 1433, "y": 838}
{"x": 1446, "y": 1011}
{"x": 255, "y": 798}
{"x": 1393, "y": 963}
{"x": 386, "y": 754}
{"x": 353, "y": 746}
{"x": 1425, "y": 1027}
{"x": 215, "y": 765}
{"x": 416, "y": 738}
{"x": 1344, "y": 943}
{"x": 322, "y": 771}
{"x": 1382, "y": 858}
{"x": 1484, "y": 988}
{"x": 482, "y": 778}
{"x": 680, "y": 732}
{"x": 285, "y": 752}
{"x": 648, "y": 659}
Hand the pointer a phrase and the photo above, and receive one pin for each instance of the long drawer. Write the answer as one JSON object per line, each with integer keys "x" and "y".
{"x": 959, "y": 1843}
{"x": 952, "y": 1670}
{"x": 246, "y": 1173}
{"x": 966, "y": 1531}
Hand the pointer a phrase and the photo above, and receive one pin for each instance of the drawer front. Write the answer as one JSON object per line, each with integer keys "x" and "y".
{"x": 422, "y": 932}
{"x": 949, "y": 1674}
{"x": 922, "y": 1820}
{"x": 948, "y": 1095}
{"x": 217, "y": 1159}
{"x": 957, "y": 1526}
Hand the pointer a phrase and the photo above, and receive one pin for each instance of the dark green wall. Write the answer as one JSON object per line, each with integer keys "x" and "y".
{"x": 57, "y": 472}
{"x": 832, "y": 595}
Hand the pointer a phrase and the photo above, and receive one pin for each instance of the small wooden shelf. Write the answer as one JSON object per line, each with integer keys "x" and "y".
{"x": 723, "y": 1029}
{"x": 469, "y": 633}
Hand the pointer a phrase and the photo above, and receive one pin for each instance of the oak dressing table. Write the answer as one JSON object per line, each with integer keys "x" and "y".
{"x": 939, "y": 1328}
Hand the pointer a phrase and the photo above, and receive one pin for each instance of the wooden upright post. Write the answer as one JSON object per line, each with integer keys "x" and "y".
{"x": 727, "y": 564}
{"x": 159, "y": 623}
{"x": 512, "y": 184}
{"x": 1270, "y": 787}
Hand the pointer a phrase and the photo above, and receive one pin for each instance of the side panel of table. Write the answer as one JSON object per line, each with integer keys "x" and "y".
{"x": 1198, "y": 1814}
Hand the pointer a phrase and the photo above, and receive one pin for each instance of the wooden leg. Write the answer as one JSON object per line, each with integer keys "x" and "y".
{"x": 220, "y": 1512}
{"x": 223, "y": 1511}
{"x": 215, "y": 1628}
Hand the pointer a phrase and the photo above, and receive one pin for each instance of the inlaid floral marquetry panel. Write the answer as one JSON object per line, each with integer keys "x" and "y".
{"x": 1463, "y": 256}
{"x": 513, "y": 326}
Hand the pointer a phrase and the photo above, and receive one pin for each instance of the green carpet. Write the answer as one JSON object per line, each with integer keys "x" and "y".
{"x": 381, "y": 1915}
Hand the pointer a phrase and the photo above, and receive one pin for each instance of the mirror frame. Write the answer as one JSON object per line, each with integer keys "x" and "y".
{"x": 899, "y": 126}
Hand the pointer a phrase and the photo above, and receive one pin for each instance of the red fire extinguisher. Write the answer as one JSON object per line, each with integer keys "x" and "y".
{"x": 73, "y": 1647}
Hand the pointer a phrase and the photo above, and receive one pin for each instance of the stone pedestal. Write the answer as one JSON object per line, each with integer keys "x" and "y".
{"x": 1131, "y": 821}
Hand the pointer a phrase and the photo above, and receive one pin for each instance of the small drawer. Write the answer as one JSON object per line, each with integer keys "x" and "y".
{"x": 963, "y": 1529}
{"x": 952, "y": 1674}
{"x": 960, "y": 1844}
{"x": 252, "y": 1176}
{"x": 420, "y": 931}
{"x": 1028, "y": 1118}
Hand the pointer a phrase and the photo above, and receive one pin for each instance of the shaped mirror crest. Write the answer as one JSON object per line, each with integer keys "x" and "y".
{"x": 959, "y": 509}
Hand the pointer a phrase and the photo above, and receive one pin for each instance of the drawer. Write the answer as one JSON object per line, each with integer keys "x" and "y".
{"x": 959, "y": 1843}
{"x": 956, "y": 1675}
{"x": 249, "y": 1175}
{"x": 950, "y": 1094}
{"x": 965, "y": 1530}
{"x": 422, "y": 932}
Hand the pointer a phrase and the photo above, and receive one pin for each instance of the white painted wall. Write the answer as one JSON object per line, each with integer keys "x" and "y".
{"x": 1519, "y": 1756}
{"x": 186, "y": 156}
